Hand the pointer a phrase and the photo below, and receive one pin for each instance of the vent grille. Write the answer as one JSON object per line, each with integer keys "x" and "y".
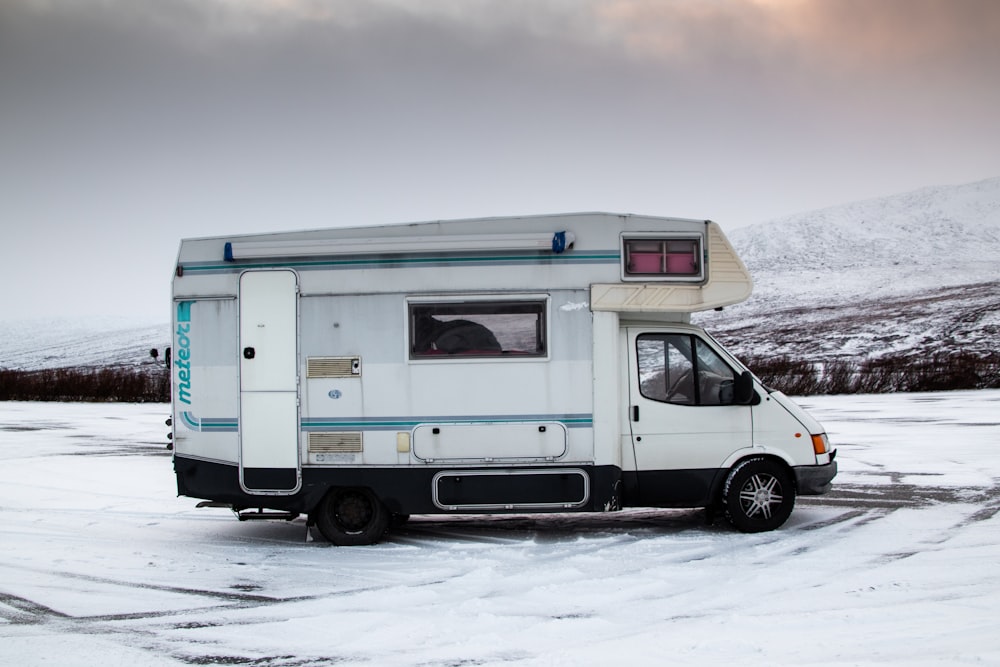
{"x": 335, "y": 443}
{"x": 333, "y": 367}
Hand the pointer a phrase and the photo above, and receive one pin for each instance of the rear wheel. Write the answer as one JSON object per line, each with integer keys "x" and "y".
{"x": 758, "y": 495}
{"x": 351, "y": 517}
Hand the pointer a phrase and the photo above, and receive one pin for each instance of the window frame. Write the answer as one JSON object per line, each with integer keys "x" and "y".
{"x": 539, "y": 303}
{"x": 698, "y": 277}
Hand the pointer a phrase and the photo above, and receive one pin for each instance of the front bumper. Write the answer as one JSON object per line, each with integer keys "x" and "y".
{"x": 815, "y": 480}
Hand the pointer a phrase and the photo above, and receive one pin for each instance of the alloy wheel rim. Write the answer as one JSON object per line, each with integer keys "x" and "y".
{"x": 760, "y": 496}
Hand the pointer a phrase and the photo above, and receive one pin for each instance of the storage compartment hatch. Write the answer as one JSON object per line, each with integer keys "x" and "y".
{"x": 490, "y": 441}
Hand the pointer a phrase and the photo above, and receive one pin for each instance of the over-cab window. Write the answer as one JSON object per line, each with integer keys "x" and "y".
{"x": 683, "y": 369}
{"x": 508, "y": 328}
{"x": 662, "y": 259}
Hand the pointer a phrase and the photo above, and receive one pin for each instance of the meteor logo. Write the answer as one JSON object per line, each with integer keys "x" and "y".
{"x": 183, "y": 357}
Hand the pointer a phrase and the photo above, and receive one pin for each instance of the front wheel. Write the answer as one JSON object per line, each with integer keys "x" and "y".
{"x": 351, "y": 517}
{"x": 758, "y": 495}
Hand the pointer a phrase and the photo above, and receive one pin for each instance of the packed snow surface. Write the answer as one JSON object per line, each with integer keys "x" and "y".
{"x": 100, "y": 563}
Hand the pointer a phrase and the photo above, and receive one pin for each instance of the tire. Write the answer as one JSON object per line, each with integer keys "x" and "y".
{"x": 351, "y": 517}
{"x": 758, "y": 495}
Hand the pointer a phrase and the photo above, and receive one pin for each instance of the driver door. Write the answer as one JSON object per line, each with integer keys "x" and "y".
{"x": 682, "y": 417}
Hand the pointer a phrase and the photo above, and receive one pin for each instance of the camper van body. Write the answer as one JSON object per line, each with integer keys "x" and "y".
{"x": 531, "y": 364}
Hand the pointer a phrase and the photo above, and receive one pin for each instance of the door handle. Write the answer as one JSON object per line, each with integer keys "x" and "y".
{"x": 249, "y": 353}
{"x": 635, "y": 413}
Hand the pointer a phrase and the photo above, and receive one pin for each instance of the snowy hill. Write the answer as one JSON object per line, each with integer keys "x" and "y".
{"x": 96, "y": 342}
{"x": 912, "y": 273}
{"x": 909, "y": 243}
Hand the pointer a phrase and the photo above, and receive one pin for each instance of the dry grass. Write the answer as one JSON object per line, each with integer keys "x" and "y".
{"x": 893, "y": 373}
{"x": 139, "y": 384}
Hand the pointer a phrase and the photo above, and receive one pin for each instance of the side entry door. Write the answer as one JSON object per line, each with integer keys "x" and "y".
{"x": 269, "y": 383}
{"x": 682, "y": 416}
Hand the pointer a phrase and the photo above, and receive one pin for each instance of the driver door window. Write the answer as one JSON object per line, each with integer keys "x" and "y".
{"x": 682, "y": 369}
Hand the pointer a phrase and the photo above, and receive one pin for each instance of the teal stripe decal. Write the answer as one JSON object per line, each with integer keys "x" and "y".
{"x": 210, "y": 424}
{"x": 407, "y": 423}
{"x": 333, "y": 424}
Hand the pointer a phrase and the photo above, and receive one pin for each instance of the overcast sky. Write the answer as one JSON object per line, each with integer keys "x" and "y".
{"x": 126, "y": 125}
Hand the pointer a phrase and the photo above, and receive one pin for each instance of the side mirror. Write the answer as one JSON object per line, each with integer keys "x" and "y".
{"x": 744, "y": 394}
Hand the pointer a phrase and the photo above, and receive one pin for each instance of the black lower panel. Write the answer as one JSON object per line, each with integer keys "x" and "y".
{"x": 270, "y": 479}
{"x": 410, "y": 490}
{"x": 672, "y": 488}
{"x": 401, "y": 490}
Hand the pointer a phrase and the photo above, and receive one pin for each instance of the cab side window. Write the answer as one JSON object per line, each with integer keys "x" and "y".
{"x": 682, "y": 369}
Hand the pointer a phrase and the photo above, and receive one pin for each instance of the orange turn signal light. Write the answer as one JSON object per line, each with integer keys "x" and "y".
{"x": 820, "y": 444}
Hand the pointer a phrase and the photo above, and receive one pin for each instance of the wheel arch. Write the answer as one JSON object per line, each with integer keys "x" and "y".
{"x": 764, "y": 451}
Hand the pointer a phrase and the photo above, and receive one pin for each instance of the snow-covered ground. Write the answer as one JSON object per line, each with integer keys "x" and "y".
{"x": 100, "y": 563}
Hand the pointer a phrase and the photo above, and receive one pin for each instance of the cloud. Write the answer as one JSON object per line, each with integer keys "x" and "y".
{"x": 852, "y": 35}
{"x": 156, "y": 119}
{"x": 843, "y": 38}
{"x": 658, "y": 73}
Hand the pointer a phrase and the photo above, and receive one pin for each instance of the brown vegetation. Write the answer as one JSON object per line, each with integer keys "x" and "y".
{"x": 138, "y": 384}
{"x": 797, "y": 377}
{"x": 894, "y": 373}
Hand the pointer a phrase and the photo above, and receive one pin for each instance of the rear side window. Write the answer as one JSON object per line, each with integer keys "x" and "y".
{"x": 662, "y": 259}
{"x": 471, "y": 329}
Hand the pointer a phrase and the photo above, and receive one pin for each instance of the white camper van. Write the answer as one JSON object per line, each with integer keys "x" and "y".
{"x": 525, "y": 364}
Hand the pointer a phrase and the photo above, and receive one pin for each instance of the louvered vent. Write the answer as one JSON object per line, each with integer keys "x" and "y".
{"x": 333, "y": 367}
{"x": 335, "y": 443}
